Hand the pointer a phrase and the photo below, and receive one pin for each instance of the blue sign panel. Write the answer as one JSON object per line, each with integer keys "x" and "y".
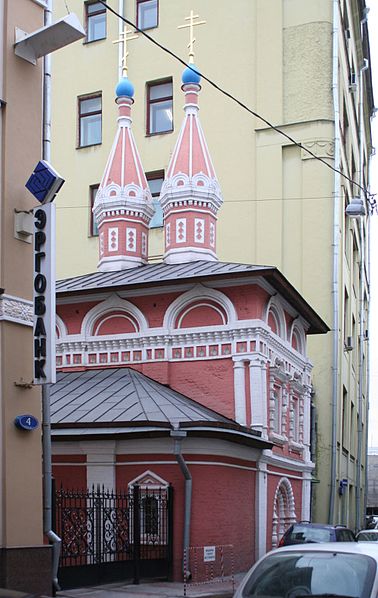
{"x": 44, "y": 182}
{"x": 26, "y": 422}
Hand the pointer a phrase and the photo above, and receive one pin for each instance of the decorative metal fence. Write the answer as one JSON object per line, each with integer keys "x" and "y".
{"x": 110, "y": 536}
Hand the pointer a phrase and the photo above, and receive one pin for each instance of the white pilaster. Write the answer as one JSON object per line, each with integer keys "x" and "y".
{"x": 261, "y": 509}
{"x": 100, "y": 465}
{"x": 239, "y": 393}
{"x": 258, "y": 389}
{"x": 307, "y": 424}
{"x": 306, "y": 497}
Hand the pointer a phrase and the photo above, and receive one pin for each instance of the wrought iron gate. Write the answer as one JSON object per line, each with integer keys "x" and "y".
{"x": 111, "y": 536}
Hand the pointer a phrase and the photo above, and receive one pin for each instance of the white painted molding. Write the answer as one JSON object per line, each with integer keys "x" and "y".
{"x": 274, "y": 304}
{"x": 16, "y": 309}
{"x": 62, "y": 328}
{"x": 239, "y": 392}
{"x": 113, "y": 303}
{"x": 199, "y": 292}
{"x": 283, "y": 509}
{"x": 261, "y": 499}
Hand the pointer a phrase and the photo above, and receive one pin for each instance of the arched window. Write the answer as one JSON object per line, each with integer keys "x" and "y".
{"x": 153, "y": 503}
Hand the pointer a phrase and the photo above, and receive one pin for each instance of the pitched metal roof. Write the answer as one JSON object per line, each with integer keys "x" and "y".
{"x": 122, "y": 395}
{"x": 152, "y": 274}
{"x": 124, "y": 401}
{"x": 158, "y": 274}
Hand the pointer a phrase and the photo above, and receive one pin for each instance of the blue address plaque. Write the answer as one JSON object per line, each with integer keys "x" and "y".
{"x": 26, "y": 422}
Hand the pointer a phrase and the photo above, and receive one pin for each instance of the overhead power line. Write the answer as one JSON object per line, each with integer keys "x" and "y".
{"x": 370, "y": 198}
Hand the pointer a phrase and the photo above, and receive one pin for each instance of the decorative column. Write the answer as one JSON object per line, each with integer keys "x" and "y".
{"x": 259, "y": 398}
{"x": 261, "y": 509}
{"x": 307, "y": 423}
{"x": 239, "y": 392}
{"x": 306, "y": 496}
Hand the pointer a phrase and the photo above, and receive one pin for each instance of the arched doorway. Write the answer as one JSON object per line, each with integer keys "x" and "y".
{"x": 283, "y": 510}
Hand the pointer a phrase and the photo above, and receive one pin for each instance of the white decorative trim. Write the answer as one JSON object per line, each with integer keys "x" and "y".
{"x": 131, "y": 239}
{"x": 120, "y": 262}
{"x": 297, "y": 326}
{"x": 167, "y": 234}
{"x": 212, "y": 234}
{"x": 196, "y": 190}
{"x": 275, "y": 306}
{"x": 261, "y": 499}
{"x": 62, "y": 328}
{"x": 113, "y": 303}
{"x": 148, "y": 479}
{"x": 239, "y": 392}
{"x": 199, "y": 230}
{"x": 258, "y": 394}
{"x": 181, "y": 230}
{"x": 199, "y": 292}
{"x": 16, "y": 309}
{"x": 113, "y": 239}
{"x": 144, "y": 244}
{"x": 283, "y": 510}
{"x": 182, "y": 255}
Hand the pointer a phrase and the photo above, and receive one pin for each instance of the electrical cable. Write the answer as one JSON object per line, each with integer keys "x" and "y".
{"x": 370, "y": 198}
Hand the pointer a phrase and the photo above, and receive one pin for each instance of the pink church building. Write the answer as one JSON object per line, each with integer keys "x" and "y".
{"x": 187, "y": 381}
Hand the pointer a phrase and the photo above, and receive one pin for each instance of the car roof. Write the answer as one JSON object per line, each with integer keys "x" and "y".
{"x": 319, "y": 525}
{"x": 351, "y": 547}
{"x": 368, "y": 531}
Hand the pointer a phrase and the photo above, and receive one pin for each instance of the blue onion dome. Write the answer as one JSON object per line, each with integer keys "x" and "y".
{"x": 124, "y": 88}
{"x": 189, "y": 76}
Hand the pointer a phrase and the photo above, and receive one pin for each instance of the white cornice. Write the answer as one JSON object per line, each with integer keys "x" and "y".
{"x": 16, "y": 309}
{"x": 274, "y": 460}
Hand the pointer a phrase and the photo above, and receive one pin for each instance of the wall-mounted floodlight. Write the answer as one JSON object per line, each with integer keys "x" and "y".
{"x": 31, "y": 46}
{"x": 355, "y": 208}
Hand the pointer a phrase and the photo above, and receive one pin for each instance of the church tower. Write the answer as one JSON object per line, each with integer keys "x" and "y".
{"x": 190, "y": 195}
{"x": 123, "y": 207}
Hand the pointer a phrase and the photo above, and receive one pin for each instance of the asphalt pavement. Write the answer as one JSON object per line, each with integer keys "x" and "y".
{"x": 214, "y": 589}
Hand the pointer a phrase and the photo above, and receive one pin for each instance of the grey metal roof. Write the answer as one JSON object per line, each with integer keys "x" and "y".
{"x": 152, "y": 274}
{"x": 159, "y": 274}
{"x": 122, "y": 395}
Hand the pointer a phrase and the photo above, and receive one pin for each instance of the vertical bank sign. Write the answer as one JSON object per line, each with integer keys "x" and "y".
{"x": 44, "y": 294}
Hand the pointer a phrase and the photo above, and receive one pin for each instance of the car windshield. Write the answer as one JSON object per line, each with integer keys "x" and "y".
{"x": 303, "y": 533}
{"x": 290, "y": 575}
{"x": 367, "y": 537}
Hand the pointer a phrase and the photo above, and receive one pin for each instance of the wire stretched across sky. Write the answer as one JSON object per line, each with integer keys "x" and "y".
{"x": 370, "y": 198}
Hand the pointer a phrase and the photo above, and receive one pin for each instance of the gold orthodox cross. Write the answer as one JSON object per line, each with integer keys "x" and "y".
{"x": 124, "y": 37}
{"x": 192, "y": 23}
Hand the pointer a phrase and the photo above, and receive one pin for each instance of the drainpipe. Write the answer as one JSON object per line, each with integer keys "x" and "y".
{"x": 46, "y": 419}
{"x": 178, "y": 435}
{"x": 336, "y": 258}
{"x": 364, "y": 67}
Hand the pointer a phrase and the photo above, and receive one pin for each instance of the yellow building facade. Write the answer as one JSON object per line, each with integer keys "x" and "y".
{"x": 304, "y": 67}
{"x": 25, "y": 559}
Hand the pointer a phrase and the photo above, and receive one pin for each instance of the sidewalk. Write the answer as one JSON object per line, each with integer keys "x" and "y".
{"x": 165, "y": 589}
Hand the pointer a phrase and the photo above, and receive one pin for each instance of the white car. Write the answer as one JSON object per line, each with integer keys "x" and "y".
{"x": 332, "y": 569}
{"x": 367, "y": 535}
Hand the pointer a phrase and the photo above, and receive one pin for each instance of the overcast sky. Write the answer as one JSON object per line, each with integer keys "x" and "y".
{"x": 373, "y": 324}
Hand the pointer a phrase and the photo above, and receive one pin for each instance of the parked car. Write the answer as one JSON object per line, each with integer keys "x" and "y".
{"x": 302, "y": 533}
{"x": 367, "y": 535}
{"x": 332, "y": 569}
